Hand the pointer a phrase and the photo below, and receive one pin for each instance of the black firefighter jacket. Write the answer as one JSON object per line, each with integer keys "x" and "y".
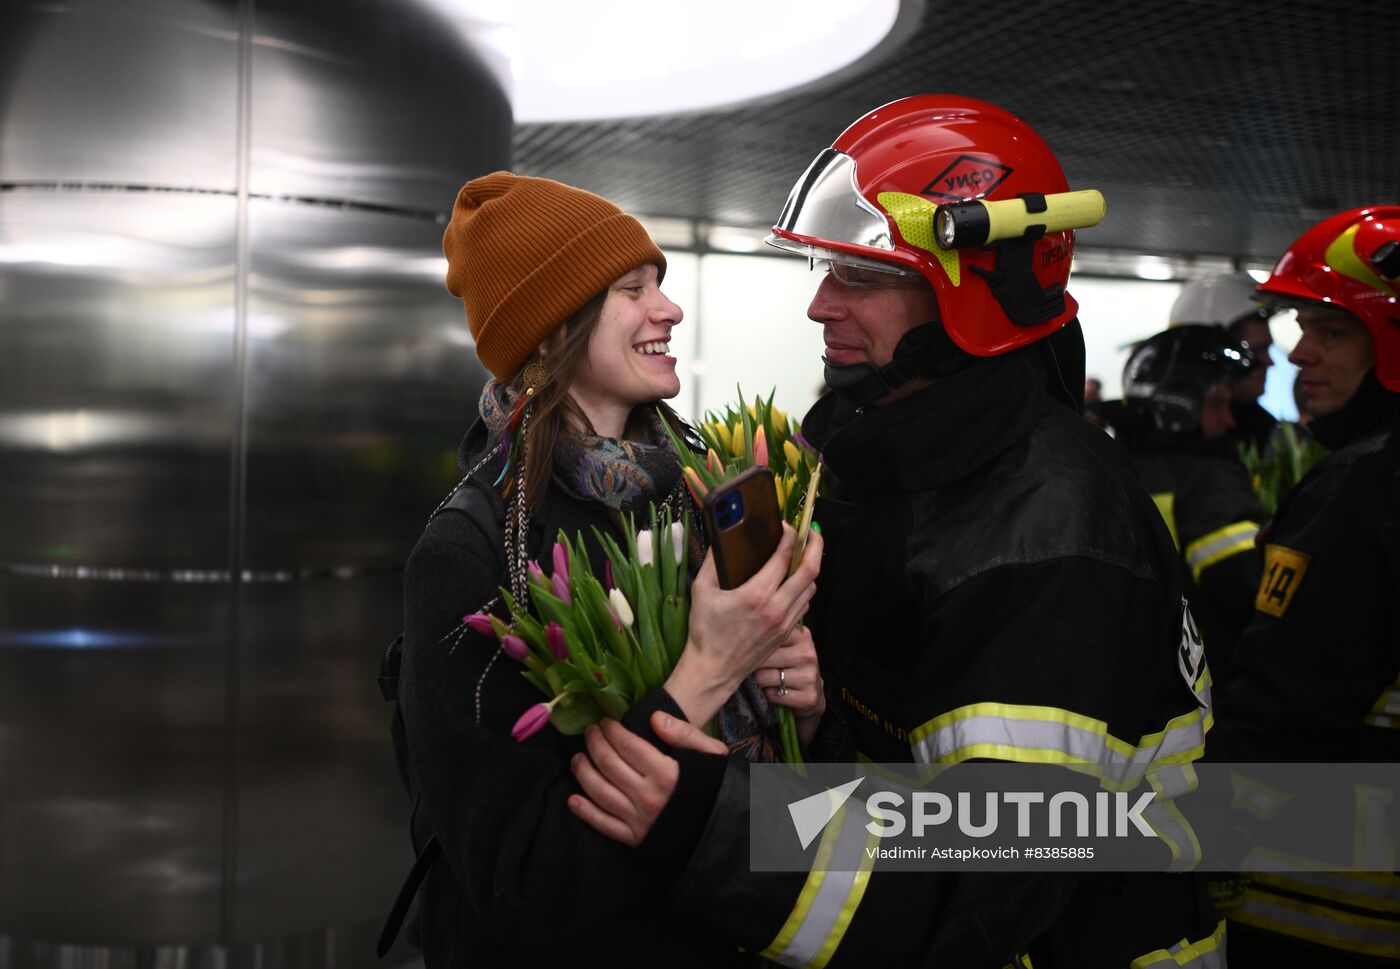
{"x": 997, "y": 585}
{"x": 1213, "y": 515}
{"x": 1316, "y": 675}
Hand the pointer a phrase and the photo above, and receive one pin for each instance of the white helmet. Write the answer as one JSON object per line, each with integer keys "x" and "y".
{"x": 1221, "y": 300}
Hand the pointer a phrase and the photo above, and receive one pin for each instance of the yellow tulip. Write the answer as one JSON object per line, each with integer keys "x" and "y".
{"x": 793, "y": 456}
{"x": 736, "y": 440}
{"x": 778, "y": 483}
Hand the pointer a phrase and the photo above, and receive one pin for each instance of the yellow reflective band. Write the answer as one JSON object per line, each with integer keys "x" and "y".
{"x": 1341, "y": 256}
{"x": 829, "y": 898}
{"x": 1207, "y": 953}
{"x": 914, "y": 216}
{"x": 1319, "y": 923}
{"x": 1386, "y": 710}
{"x": 1166, "y": 504}
{"x": 1372, "y": 846}
{"x": 1258, "y": 799}
{"x": 1050, "y": 735}
{"x": 1166, "y": 819}
{"x": 1377, "y": 891}
{"x": 813, "y": 885}
{"x": 1219, "y": 545}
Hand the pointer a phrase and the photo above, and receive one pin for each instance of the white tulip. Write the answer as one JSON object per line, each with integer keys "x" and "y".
{"x": 621, "y": 607}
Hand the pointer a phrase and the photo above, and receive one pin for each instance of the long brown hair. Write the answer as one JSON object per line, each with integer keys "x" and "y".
{"x": 551, "y": 406}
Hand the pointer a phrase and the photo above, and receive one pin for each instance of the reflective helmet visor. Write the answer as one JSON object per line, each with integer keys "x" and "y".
{"x": 826, "y": 204}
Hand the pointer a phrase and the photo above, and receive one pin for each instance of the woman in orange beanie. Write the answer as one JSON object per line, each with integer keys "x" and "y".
{"x": 562, "y": 295}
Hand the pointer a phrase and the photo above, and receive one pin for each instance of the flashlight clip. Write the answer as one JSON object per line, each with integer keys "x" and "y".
{"x": 1013, "y": 282}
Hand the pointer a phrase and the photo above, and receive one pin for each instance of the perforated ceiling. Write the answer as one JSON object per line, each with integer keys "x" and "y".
{"x": 1213, "y": 128}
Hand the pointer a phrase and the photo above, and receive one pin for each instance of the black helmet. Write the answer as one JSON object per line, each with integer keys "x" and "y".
{"x": 1167, "y": 376}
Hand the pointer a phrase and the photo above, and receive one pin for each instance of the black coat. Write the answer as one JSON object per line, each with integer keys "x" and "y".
{"x": 522, "y": 882}
{"x": 1213, "y": 513}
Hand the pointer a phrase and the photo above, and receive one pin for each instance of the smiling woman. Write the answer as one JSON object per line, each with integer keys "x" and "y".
{"x": 563, "y": 296}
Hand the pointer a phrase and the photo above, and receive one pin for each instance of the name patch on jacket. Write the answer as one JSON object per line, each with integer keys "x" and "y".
{"x": 1283, "y": 573}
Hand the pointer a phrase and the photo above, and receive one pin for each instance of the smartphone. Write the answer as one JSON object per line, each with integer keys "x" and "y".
{"x": 744, "y": 525}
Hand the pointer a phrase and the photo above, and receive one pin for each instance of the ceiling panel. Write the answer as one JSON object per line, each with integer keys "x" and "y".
{"x": 1213, "y": 128}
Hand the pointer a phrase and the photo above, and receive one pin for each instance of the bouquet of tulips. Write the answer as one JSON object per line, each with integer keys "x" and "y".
{"x": 1283, "y": 464}
{"x": 596, "y": 646}
{"x": 744, "y": 436}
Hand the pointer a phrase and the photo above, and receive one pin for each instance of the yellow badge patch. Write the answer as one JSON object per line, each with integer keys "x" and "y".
{"x": 1283, "y": 573}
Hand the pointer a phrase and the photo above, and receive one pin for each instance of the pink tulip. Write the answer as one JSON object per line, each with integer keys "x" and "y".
{"x": 760, "y": 448}
{"x": 554, "y": 635}
{"x": 559, "y": 585}
{"x": 531, "y": 721}
{"x": 536, "y": 573}
{"x": 561, "y": 561}
{"x": 480, "y": 623}
{"x": 608, "y": 582}
{"x": 514, "y": 647}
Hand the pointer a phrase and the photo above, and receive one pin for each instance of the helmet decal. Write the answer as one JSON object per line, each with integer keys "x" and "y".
{"x": 1341, "y": 256}
{"x": 967, "y": 177}
{"x": 914, "y": 216}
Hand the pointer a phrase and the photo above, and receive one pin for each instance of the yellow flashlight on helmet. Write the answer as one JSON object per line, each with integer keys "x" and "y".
{"x": 977, "y": 222}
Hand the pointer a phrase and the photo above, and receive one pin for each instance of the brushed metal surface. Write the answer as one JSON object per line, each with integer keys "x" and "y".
{"x": 361, "y": 380}
{"x": 114, "y": 91}
{"x": 378, "y": 102}
{"x": 117, "y": 379}
{"x": 113, "y": 740}
{"x": 225, "y": 411}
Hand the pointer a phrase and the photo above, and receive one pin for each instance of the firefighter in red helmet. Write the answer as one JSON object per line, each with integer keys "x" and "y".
{"x": 998, "y": 586}
{"x": 1316, "y": 675}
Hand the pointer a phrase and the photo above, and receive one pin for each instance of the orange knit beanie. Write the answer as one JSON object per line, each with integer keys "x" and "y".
{"x": 525, "y": 254}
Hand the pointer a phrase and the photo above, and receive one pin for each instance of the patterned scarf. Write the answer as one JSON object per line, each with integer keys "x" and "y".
{"x": 624, "y": 477}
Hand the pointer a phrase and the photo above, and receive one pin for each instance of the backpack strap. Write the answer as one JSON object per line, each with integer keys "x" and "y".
{"x": 416, "y": 875}
{"x": 489, "y": 515}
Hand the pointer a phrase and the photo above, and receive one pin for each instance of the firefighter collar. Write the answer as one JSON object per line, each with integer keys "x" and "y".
{"x": 925, "y": 351}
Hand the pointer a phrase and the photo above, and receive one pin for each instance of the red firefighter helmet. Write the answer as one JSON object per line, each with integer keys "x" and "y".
{"x": 1352, "y": 261}
{"x": 868, "y": 200}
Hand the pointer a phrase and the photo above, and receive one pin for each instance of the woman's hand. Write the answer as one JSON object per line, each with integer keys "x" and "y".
{"x": 733, "y": 631}
{"x": 626, "y": 781}
{"x": 791, "y": 677}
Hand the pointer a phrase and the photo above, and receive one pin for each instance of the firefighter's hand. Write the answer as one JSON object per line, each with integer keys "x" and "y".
{"x": 626, "y": 781}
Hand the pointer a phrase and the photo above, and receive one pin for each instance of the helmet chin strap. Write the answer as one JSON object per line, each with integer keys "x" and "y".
{"x": 925, "y": 351}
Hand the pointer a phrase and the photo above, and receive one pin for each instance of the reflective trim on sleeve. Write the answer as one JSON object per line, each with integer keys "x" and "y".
{"x": 1374, "y": 891}
{"x": 1166, "y": 819}
{"x": 1259, "y": 799}
{"x": 1319, "y": 923}
{"x": 1207, "y": 953}
{"x": 1386, "y": 711}
{"x": 1219, "y": 545}
{"x": 829, "y": 899}
{"x": 1050, "y": 735}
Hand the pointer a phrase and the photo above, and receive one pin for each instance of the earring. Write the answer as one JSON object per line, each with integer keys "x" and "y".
{"x": 533, "y": 376}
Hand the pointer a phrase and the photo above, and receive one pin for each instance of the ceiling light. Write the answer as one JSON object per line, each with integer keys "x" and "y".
{"x": 628, "y": 58}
